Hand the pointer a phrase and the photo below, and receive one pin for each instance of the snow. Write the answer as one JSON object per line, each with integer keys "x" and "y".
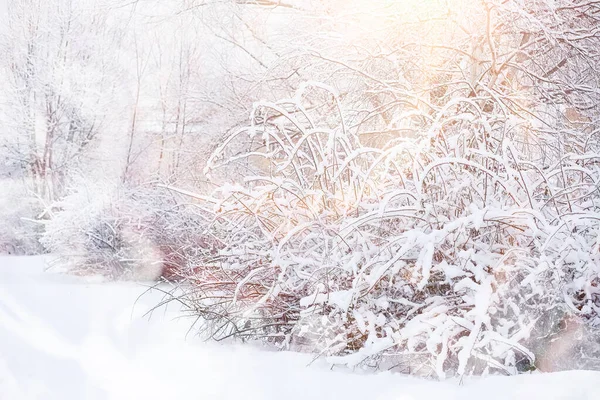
{"x": 62, "y": 337}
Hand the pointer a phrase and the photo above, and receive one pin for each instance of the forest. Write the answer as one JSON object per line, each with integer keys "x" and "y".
{"x": 404, "y": 185}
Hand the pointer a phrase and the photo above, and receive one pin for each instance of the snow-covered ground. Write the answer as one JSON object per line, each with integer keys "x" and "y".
{"x": 68, "y": 339}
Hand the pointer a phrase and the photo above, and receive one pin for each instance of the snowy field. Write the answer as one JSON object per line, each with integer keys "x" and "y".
{"x": 64, "y": 338}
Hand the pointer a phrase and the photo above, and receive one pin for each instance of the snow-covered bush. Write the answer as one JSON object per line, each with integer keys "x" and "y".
{"x": 123, "y": 233}
{"x": 434, "y": 255}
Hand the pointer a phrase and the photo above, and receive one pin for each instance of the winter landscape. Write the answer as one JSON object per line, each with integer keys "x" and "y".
{"x": 300, "y": 199}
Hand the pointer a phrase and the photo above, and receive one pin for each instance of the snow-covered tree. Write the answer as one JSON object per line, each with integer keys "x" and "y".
{"x": 428, "y": 205}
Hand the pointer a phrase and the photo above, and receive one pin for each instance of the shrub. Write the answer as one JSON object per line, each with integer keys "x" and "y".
{"x": 436, "y": 254}
{"x": 124, "y": 233}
